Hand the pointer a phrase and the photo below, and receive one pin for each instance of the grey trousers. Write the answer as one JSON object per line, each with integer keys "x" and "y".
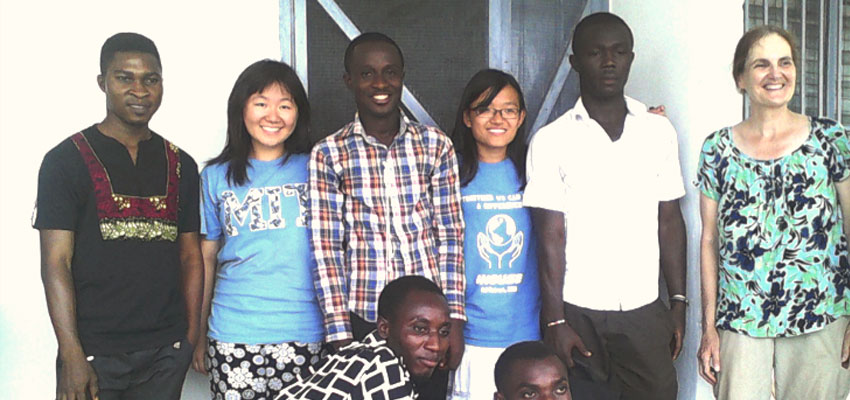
{"x": 631, "y": 350}
{"x": 145, "y": 374}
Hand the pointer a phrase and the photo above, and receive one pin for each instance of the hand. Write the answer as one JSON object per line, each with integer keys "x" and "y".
{"x": 199, "y": 356}
{"x": 709, "y": 355}
{"x": 563, "y": 339}
{"x": 78, "y": 380}
{"x": 658, "y": 110}
{"x": 339, "y": 344}
{"x": 677, "y": 311}
{"x": 845, "y": 349}
{"x": 456, "y": 345}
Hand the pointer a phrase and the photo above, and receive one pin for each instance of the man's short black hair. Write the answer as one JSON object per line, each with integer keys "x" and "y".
{"x": 126, "y": 42}
{"x": 529, "y": 350}
{"x": 368, "y": 37}
{"x": 600, "y": 18}
{"x": 394, "y": 294}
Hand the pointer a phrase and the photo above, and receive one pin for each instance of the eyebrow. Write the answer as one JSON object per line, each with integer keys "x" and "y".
{"x": 763, "y": 59}
{"x": 525, "y": 385}
{"x": 127, "y": 72}
{"x": 266, "y": 98}
{"x": 605, "y": 45}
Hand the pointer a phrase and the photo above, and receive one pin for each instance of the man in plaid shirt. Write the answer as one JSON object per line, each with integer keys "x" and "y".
{"x": 384, "y": 202}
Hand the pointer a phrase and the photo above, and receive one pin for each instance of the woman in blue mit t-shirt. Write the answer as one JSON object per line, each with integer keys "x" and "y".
{"x": 265, "y": 325}
{"x": 502, "y": 292}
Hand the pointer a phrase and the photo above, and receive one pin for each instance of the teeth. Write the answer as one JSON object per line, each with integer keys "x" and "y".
{"x": 774, "y": 87}
{"x": 270, "y": 129}
{"x": 381, "y": 96}
{"x": 497, "y": 130}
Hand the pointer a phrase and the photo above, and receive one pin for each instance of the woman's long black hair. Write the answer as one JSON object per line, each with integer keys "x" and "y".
{"x": 491, "y": 82}
{"x": 254, "y": 79}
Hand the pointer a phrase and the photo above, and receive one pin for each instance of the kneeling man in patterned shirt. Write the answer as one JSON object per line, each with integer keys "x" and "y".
{"x": 411, "y": 339}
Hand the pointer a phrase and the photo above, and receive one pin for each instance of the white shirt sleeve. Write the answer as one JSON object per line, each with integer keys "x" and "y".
{"x": 670, "y": 184}
{"x": 544, "y": 172}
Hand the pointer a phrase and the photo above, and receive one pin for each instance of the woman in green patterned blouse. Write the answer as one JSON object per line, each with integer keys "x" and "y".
{"x": 775, "y": 271}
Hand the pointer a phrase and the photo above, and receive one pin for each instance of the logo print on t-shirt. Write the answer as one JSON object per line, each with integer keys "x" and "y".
{"x": 500, "y": 241}
{"x": 237, "y": 212}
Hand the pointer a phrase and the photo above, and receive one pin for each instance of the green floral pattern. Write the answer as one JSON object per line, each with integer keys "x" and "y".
{"x": 783, "y": 268}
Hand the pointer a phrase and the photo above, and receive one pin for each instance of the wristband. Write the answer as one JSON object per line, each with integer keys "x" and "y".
{"x": 680, "y": 298}
{"x": 556, "y": 323}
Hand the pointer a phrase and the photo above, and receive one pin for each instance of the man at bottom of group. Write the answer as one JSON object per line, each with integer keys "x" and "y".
{"x": 532, "y": 370}
{"x": 394, "y": 361}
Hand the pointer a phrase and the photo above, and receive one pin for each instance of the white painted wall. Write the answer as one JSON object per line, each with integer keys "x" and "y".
{"x": 683, "y": 59}
{"x": 49, "y": 58}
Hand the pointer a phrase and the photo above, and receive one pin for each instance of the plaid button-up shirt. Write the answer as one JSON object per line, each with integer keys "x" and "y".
{"x": 381, "y": 212}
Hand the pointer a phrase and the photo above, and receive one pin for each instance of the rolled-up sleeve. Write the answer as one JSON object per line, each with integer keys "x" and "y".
{"x": 448, "y": 225}
{"x": 327, "y": 237}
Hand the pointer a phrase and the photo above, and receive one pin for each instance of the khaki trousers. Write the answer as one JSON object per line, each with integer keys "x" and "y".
{"x": 806, "y": 367}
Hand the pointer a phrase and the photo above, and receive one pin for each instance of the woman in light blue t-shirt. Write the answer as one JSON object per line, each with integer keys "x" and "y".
{"x": 265, "y": 325}
{"x": 502, "y": 291}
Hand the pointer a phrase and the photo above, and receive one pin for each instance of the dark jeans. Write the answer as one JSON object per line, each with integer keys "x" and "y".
{"x": 436, "y": 387}
{"x": 630, "y": 350}
{"x": 145, "y": 374}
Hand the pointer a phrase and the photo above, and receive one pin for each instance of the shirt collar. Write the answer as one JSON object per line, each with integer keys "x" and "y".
{"x": 374, "y": 340}
{"x": 633, "y": 108}
{"x": 404, "y": 123}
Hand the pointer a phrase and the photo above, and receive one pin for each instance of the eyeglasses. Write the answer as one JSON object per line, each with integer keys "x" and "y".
{"x": 488, "y": 112}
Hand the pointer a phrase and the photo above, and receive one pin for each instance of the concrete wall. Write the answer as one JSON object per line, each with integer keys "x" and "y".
{"x": 683, "y": 59}
{"x": 49, "y": 58}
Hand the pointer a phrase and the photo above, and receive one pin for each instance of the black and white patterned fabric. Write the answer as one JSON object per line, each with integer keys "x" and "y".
{"x": 360, "y": 371}
{"x": 257, "y": 372}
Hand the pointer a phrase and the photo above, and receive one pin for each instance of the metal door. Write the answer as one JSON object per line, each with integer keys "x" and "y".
{"x": 444, "y": 43}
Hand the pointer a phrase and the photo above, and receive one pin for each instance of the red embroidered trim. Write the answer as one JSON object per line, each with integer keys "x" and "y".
{"x": 133, "y": 217}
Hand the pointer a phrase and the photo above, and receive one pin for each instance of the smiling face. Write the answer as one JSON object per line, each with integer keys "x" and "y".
{"x": 376, "y": 78}
{"x": 494, "y": 126}
{"x": 419, "y": 332}
{"x": 544, "y": 379}
{"x": 603, "y": 60}
{"x": 270, "y": 118}
{"x": 769, "y": 76}
{"x": 133, "y": 86}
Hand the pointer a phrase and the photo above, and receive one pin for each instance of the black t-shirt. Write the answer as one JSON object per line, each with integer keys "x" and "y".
{"x": 128, "y": 291}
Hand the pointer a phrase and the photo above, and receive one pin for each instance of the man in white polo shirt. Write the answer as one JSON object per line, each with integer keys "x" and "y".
{"x": 603, "y": 184}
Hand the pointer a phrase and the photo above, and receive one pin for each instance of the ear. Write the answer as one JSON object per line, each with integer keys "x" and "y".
{"x": 573, "y": 62}
{"x": 498, "y": 396}
{"x": 346, "y": 78}
{"x": 521, "y": 118}
{"x": 467, "y": 120}
{"x": 739, "y": 85}
{"x": 101, "y": 83}
{"x": 383, "y": 327}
